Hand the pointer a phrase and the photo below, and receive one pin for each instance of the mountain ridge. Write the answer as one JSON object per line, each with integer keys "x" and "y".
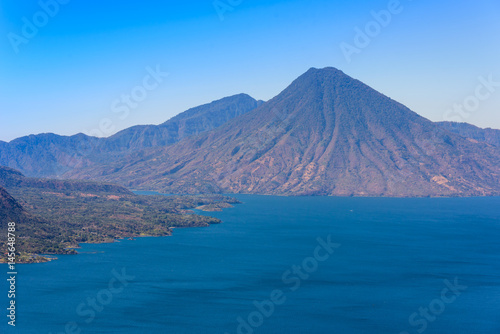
{"x": 485, "y": 135}
{"x": 51, "y": 155}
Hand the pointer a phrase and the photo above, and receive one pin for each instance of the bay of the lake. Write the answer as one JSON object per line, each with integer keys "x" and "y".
{"x": 282, "y": 265}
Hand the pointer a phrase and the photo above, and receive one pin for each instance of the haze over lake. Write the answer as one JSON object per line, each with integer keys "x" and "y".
{"x": 391, "y": 259}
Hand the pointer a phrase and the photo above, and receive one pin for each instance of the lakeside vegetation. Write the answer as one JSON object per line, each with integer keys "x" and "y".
{"x": 55, "y": 221}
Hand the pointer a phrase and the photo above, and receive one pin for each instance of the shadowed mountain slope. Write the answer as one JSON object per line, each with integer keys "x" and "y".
{"x": 10, "y": 210}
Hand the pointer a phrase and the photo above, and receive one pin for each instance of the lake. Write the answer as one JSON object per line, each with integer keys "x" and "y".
{"x": 282, "y": 265}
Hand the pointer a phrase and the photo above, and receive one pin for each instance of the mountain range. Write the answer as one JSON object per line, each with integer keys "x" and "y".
{"x": 51, "y": 155}
{"x": 325, "y": 134}
{"x": 489, "y": 136}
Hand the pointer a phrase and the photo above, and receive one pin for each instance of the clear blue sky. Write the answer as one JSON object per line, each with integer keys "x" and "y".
{"x": 65, "y": 78}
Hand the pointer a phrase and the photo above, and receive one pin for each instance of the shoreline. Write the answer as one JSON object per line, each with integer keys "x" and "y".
{"x": 45, "y": 258}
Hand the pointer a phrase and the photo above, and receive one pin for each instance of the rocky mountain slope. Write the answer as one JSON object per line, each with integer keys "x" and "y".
{"x": 326, "y": 134}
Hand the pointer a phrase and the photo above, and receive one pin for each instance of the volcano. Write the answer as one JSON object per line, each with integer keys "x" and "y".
{"x": 326, "y": 134}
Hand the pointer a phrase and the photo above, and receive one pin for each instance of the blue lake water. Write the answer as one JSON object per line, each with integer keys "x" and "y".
{"x": 396, "y": 266}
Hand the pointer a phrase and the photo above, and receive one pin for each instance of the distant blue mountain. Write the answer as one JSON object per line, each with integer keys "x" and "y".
{"x": 51, "y": 155}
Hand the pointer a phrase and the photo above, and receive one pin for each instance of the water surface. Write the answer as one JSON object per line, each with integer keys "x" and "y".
{"x": 395, "y": 258}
